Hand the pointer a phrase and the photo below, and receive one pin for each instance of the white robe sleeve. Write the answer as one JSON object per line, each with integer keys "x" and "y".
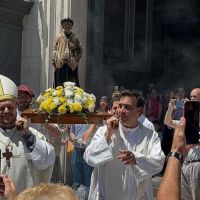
{"x": 43, "y": 154}
{"x": 98, "y": 152}
{"x": 151, "y": 164}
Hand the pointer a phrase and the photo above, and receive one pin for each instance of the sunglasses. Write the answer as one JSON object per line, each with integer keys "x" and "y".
{"x": 126, "y": 106}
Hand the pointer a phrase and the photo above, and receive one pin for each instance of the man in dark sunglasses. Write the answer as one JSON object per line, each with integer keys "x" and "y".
{"x": 125, "y": 153}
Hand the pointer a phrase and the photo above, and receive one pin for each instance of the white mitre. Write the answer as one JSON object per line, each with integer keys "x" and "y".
{"x": 8, "y": 89}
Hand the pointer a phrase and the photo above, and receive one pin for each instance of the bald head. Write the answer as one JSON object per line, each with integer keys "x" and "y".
{"x": 195, "y": 94}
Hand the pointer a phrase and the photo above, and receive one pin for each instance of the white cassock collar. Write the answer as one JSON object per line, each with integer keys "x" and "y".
{"x": 126, "y": 130}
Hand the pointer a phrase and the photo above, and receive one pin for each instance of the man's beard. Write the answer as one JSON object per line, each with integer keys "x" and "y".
{"x": 23, "y": 106}
{"x": 8, "y": 124}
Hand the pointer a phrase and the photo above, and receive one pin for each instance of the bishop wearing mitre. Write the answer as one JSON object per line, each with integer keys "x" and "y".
{"x": 24, "y": 151}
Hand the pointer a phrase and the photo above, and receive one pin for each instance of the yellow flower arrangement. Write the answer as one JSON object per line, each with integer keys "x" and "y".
{"x": 67, "y": 99}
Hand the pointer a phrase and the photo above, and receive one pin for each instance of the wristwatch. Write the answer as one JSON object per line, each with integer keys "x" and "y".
{"x": 177, "y": 155}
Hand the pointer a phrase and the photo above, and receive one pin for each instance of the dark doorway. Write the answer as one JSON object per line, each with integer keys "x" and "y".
{"x": 176, "y": 44}
{"x": 182, "y": 60}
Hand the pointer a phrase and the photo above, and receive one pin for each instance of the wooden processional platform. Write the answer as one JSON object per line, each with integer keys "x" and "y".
{"x": 70, "y": 118}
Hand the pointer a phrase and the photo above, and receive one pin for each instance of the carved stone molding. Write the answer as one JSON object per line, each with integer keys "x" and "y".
{"x": 13, "y": 11}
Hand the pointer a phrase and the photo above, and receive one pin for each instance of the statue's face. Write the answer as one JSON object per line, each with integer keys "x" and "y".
{"x": 8, "y": 114}
{"x": 67, "y": 26}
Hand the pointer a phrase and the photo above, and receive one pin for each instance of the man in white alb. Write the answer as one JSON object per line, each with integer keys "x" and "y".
{"x": 127, "y": 156}
{"x": 23, "y": 153}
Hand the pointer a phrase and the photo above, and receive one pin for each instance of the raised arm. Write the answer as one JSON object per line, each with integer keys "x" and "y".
{"x": 89, "y": 133}
{"x": 170, "y": 185}
{"x": 169, "y": 114}
{"x": 99, "y": 150}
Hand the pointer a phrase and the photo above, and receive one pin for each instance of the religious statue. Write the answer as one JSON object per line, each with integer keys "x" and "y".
{"x": 67, "y": 52}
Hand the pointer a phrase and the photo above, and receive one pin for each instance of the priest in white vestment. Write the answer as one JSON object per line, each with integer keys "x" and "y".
{"x": 24, "y": 151}
{"x": 125, "y": 157}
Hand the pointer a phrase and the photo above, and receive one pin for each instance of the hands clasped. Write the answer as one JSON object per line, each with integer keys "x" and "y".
{"x": 127, "y": 157}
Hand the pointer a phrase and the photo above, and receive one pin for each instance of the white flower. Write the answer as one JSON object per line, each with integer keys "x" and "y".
{"x": 85, "y": 94}
{"x": 84, "y": 99}
{"x": 70, "y": 101}
{"x": 78, "y": 98}
{"x": 91, "y": 108}
{"x": 69, "y": 84}
{"x": 56, "y": 101}
{"x": 68, "y": 93}
{"x": 48, "y": 90}
{"x": 54, "y": 94}
{"x": 76, "y": 88}
{"x": 93, "y": 97}
{"x": 40, "y": 98}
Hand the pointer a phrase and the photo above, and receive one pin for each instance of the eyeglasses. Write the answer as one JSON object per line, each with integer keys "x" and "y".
{"x": 126, "y": 106}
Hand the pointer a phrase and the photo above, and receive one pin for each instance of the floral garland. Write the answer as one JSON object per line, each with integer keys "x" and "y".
{"x": 67, "y": 99}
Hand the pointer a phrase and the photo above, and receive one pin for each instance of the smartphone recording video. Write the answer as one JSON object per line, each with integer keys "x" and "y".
{"x": 179, "y": 109}
{"x": 191, "y": 114}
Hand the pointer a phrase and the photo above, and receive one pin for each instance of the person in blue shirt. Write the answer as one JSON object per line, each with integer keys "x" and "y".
{"x": 80, "y": 135}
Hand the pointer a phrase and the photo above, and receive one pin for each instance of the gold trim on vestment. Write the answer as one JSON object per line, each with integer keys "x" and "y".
{"x": 7, "y": 97}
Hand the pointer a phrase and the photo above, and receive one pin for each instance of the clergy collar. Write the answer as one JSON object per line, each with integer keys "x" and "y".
{"x": 128, "y": 130}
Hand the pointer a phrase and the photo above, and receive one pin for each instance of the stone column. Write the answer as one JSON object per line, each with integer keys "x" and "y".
{"x": 79, "y": 13}
{"x": 11, "y": 15}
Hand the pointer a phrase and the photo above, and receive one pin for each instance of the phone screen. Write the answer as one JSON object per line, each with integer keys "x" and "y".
{"x": 179, "y": 109}
{"x": 191, "y": 114}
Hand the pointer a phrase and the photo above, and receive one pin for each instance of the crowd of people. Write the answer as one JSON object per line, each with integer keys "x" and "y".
{"x": 113, "y": 161}
{"x": 144, "y": 137}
